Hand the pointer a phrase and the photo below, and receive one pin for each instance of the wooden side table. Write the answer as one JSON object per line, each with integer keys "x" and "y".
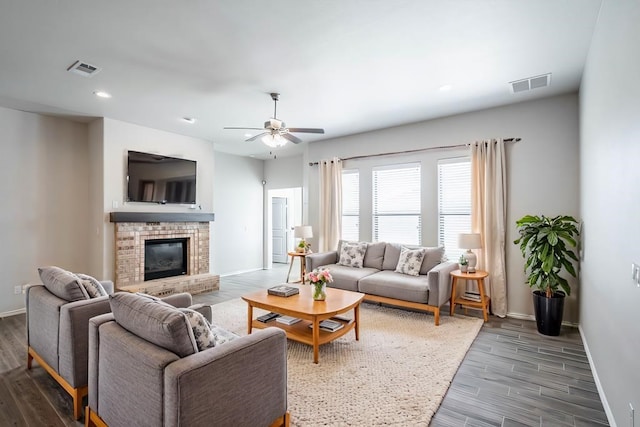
{"x": 303, "y": 264}
{"x": 483, "y": 304}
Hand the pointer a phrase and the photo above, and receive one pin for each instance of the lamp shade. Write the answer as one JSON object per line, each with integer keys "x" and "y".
{"x": 469, "y": 241}
{"x": 302, "y": 231}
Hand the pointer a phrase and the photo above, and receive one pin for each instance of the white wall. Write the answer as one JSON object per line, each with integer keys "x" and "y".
{"x": 44, "y": 193}
{"x": 285, "y": 172}
{"x": 542, "y": 170}
{"x": 96, "y": 214}
{"x": 118, "y": 138}
{"x": 610, "y": 204}
{"x": 238, "y": 204}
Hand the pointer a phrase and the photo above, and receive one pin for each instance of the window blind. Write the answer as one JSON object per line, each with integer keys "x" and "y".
{"x": 351, "y": 205}
{"x": 454, "y": 203}
{"x": 396, "y": 204}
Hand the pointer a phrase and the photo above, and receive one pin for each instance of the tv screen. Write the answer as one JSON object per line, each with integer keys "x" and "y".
{"x": 160, "y": 179}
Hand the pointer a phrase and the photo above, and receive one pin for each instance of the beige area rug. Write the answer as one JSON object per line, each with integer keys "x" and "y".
{"x": 397, "y": 374}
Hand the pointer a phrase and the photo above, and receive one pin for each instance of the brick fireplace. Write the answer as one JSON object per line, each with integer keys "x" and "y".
{"x": 133, "y": 229}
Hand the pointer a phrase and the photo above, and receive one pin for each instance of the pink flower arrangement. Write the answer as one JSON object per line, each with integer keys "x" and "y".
{"x": 319, "y": 276}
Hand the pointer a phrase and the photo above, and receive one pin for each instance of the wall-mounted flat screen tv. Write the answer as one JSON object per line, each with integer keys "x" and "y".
{"x": 160, "y": 179}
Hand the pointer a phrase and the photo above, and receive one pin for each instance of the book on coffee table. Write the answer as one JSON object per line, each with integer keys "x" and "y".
{"x": 283, "y": 291}
{"x": 329, "y": 325}
{"x": 287, "y": 320}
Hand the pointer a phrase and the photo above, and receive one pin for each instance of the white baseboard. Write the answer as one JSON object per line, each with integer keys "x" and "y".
{"x": 594, "y": 372}
{"x": 233, "y": 273}
{"x": 13, "y": 312}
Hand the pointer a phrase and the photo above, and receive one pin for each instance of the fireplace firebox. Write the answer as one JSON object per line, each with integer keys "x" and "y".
{"x": 165, "y": 258}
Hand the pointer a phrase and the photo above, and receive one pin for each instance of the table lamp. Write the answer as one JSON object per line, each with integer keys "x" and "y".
{"x": 470, "y": 241}
{"x": 302, "y": 232}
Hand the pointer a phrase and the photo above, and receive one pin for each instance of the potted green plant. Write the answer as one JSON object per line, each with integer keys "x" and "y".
{"x": 546, "y": 244}
{"x": 303, "y": 246}
{"x": 463, "y": 263}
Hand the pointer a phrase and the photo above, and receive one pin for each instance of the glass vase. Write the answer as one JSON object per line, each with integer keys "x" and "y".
{"x": 319, "y": 291}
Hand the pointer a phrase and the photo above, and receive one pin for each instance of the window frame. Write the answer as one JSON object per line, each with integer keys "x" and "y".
{"x": 458, "y": 210}
{"x": 412, "y": 188}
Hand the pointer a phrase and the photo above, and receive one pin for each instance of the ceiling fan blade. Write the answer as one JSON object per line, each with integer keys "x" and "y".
{"x": 254, "y": 137}
{"x": 306, "y": 130}
{"x": 292, "y": 138}
{"x": 243, "y": 128}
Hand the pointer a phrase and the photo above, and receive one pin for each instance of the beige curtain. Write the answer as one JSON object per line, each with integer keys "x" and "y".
{"x": 330, "y": 204}
{"x": 488, "y": 216}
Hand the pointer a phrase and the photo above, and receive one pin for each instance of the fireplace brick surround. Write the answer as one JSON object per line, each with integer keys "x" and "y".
{"x": 131, "y": 232}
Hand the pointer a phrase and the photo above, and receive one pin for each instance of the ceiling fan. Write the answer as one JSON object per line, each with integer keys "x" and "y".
{"x": 276, "y": 133}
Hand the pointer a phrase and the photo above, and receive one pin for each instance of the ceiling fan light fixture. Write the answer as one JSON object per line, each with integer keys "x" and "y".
{"x": 274, "y": 141}
{"x": 275, "y": 124}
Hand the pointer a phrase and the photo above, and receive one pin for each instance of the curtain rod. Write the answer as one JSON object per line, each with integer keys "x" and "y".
{"x": 442, "y": 147}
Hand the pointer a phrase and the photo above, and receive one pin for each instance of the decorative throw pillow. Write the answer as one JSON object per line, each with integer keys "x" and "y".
{"x": 62, "y": 283}
{"x": 206, "y": 335}
{"x": 352, "y": 254}
{"x": 92, "y": 286}
{"x": 155, "y": 321}
{"x": 432, "y": 257}
{"x": 410, "y": 261}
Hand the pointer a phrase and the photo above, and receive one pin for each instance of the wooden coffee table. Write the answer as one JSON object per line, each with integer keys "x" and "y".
{"x": 311, "y": 312}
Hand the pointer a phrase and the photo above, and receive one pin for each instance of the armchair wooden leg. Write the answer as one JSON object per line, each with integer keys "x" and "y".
{"x": 282, "y": 421}
{"x": 77, "y": 394}
{"x": 91, "y": 419}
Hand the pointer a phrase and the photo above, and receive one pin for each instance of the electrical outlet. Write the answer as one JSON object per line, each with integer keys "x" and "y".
{"x": 635, "y": 273}
{"x": 17, "y": 289}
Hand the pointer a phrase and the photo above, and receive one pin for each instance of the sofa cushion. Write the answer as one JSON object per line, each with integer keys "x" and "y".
{"x": 62, "y": 283}
{"x": 92, "y": 285}
{"x": 391, "y": 256}
{"x": 352, "y": 254}
{"x": 410, "y": 261}
{"x": 205, "y": 334}
{"x": 155, "y": 321}
{"x": 375, "y": 255}
{"x": 395, "y": 285}
{"x": 347, "y": 277}
{"x": 432, "y": 257}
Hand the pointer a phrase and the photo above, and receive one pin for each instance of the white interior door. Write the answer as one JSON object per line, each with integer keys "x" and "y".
{"x": 279, "y": 229}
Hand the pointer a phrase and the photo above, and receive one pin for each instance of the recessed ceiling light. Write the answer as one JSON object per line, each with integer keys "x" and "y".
{"x": 248, "y": 135}
{"x": 445, "y": 88}
{"x": 102, "y": 94}
{"x": 189, "y": 119}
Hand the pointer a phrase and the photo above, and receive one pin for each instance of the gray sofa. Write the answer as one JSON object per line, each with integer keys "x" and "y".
{"x": 145, "y": 371}
{"x": 377, "y": 278}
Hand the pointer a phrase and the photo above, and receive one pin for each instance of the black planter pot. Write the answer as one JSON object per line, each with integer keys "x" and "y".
{"x": 548, "y": 312}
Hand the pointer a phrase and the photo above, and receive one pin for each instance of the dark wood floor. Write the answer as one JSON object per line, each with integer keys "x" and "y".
{"x": 511, "y": 376}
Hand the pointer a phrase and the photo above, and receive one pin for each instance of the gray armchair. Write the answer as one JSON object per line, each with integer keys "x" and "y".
{"x": 57, "y": 337}
{"x": 135, "y": 381}
{"x": 58, "y": 332}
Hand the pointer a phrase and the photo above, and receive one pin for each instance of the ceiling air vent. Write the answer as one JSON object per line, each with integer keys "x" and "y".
{"x": 530, "y": 83}
{"x": 83, "y": 69}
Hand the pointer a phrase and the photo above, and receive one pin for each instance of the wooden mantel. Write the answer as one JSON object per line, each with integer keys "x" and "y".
{"x": 161, "y": 217}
